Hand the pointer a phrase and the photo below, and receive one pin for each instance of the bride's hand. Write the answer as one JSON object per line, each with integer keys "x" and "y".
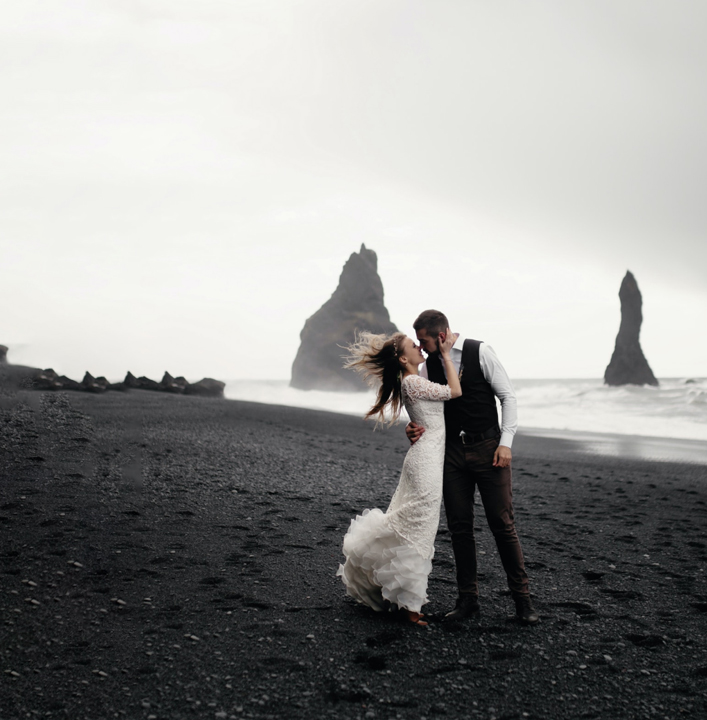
{"x": 449, "y": 339}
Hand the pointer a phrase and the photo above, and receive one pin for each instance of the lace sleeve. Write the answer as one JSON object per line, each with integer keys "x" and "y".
{"x": 419, "y": 388}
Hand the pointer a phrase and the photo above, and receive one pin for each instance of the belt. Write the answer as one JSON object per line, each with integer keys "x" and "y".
{"x": 469, "y": 439}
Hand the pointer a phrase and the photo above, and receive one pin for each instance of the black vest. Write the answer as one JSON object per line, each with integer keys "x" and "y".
{"x": 475, "y": 411}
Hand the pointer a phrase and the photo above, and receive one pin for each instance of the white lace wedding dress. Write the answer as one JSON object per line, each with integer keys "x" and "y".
{"x": 389, "y": 555}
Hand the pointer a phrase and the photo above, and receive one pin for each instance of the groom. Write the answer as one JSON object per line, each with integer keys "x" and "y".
{"x": 477, "y": 454}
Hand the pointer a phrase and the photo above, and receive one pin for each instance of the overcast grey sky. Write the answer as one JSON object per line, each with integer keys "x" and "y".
{"x": 182, "y": 180}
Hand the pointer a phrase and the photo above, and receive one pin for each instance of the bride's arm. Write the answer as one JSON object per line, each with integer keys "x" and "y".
{"x": 450, "y": 371}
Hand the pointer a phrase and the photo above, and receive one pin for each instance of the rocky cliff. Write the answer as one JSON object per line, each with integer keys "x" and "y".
{"x": 357, "y": 304}
{"x": 628, "y": 365}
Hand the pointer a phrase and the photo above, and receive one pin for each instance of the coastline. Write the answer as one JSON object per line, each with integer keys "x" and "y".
{"x": 175, "y": 557}
{"x": 581, "y": 442}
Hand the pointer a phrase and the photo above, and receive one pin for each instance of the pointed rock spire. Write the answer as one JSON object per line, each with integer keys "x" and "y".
{"x": 357, "y": 304}
{"x": 628, "y": 365}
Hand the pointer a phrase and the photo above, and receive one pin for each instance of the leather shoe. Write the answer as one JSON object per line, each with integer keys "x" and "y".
{"x": 467, "y": 606}
{"x": 525, "y": 612}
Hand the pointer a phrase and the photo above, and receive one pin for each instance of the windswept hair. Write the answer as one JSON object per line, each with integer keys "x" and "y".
{"x": 375, "y": 358}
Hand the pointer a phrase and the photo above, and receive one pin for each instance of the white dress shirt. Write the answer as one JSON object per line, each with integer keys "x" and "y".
{"x": 496, "y": 376}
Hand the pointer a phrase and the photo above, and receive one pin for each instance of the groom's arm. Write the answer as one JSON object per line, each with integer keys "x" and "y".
{"x": 496, "y": 376}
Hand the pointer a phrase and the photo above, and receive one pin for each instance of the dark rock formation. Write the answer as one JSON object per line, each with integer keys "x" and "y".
{"x": 356, "y": 305}
{"x": 628, "y": 365}
{"x": 46, "y": 380}
{"x": 22, "y": 376}
{"x": 145, "y": 383}
{"x": 13, "y": 377}
{"x": 174, "y": 385}
{"x": 49, "y": 380}
{"x": 130, "y": 380}
{"x": 92, "y": 384}
{"x": 179, "y": 385}
{"x": 207, "y": 387}
{"x": 67, "y": 383}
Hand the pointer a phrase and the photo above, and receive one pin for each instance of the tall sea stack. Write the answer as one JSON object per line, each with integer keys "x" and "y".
{"x": 357, "y": 304}
{"x": 628, "y": 365}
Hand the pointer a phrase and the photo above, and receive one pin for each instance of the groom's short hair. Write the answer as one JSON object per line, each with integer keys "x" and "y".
{"x": 432, "y": 321}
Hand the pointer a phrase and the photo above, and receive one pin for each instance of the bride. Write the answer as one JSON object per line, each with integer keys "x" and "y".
{"x": 389, "y": 555}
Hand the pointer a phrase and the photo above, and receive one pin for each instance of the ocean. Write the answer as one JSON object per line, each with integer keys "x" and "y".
{"x": 577, "y": 409}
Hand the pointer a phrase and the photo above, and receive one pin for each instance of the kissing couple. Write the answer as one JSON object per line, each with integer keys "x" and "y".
{"x": 457, "y": 445}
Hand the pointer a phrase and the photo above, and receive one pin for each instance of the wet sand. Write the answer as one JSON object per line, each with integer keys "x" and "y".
{"x": 175, "y": 557}
{"x": 629, "y": 447}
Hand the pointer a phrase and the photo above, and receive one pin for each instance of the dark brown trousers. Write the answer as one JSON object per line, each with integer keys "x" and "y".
{"x": 465, "y": 469}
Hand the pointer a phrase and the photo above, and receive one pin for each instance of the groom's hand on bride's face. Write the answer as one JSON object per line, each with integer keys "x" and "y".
{"x": 414, "y": 432}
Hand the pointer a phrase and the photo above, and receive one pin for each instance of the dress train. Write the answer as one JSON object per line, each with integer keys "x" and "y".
{"x": 382, "y": 566}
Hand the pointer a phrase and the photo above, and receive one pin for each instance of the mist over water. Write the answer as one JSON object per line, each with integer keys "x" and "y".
{"x": 676, "y": 409}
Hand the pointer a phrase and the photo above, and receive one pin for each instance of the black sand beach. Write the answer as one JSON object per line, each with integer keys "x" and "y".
{"x": 171, "y": 557}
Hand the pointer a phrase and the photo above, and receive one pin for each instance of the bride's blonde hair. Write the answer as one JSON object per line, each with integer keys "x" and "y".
{"x": 375, "y": 357}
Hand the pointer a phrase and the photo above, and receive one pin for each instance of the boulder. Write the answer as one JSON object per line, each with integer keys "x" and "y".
{"x": 92, "y": 384}
{"x": 47, "y": 380}
{"x": 144, "y": 383}
{"x": 174, "y": 385}
{"x": 130, "y": 381}
{"x": 207, "y": 387}
{"x": 67, "y": 383}
{"x": 356, "y": 305}
{"x": 179, "y": 385}
{"x": 628, "y": 365}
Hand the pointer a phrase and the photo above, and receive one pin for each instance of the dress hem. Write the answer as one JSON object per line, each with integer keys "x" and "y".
{"x": 381, "y": 567}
